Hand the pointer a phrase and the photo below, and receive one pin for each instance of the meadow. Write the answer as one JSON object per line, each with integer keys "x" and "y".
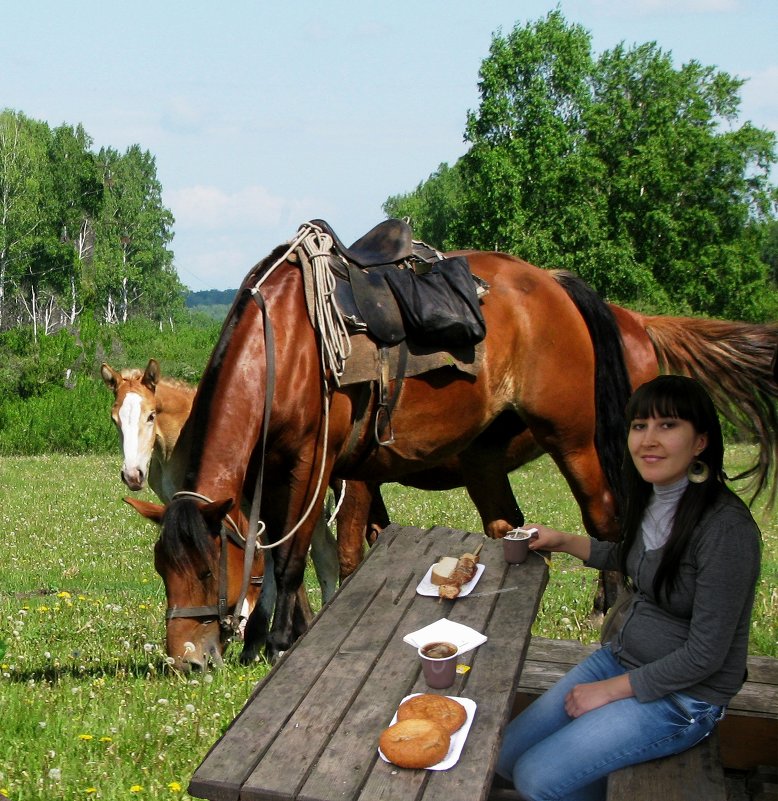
{"x": 90, "y": 708}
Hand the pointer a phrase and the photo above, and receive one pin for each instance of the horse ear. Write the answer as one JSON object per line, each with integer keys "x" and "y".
{"x": 151, "y": 511}
{"x": 215, "y": 511}
{"x": 110, "y": 377}
{"x": 151, "y": 375}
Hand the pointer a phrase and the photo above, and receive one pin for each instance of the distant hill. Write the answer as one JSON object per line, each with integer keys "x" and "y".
{"x": 210, "y": 297}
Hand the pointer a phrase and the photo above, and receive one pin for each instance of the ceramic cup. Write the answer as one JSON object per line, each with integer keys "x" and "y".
{"x": 439, "y": 663}
{"x": 516, "y": 546}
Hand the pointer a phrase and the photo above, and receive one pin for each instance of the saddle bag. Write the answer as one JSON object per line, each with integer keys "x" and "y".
{"x": 440, "y": 307}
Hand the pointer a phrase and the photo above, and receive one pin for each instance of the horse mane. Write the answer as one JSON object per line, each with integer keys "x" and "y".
{"x": 136, "y": 374}
{"x": 177, "y": 383}
{"x": 131, "y": 373}
{"x": 610, "y": 437}
{"x": 202, "y": 408}
{"x": 183, "y": 534}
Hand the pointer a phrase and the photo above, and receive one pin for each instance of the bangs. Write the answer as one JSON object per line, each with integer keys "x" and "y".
{"x": 666, "y": 396}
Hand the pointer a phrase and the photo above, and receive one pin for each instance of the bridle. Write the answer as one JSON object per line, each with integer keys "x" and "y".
{"x": 229, "y": 618}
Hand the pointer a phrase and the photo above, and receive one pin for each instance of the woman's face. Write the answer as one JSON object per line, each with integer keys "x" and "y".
{"x": 662, "y": 448}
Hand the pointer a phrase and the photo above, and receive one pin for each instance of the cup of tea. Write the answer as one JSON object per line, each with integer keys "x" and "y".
{"x": 439, "y": 663}
{"x": 515, "y": 545}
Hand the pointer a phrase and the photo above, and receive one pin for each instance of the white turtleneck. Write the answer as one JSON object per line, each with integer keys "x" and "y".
{"x": 660, "y": 513}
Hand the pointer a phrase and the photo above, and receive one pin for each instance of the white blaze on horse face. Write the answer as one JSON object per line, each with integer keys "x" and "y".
{"x": 137, "y": 428}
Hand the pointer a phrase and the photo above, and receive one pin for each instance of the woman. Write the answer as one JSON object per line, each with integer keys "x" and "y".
{"x": 690, "y": 551}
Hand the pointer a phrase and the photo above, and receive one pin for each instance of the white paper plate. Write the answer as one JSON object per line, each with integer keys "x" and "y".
{"x": 426, "y": 587}
{"x": 457, "y": 738}
{"x": 445, "y": 630}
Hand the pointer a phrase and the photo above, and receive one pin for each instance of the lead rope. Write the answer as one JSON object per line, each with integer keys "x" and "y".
{"x": 335, "y": 344}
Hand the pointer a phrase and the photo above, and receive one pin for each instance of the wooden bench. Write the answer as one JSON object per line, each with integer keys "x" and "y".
{"x": 746, "y": 739}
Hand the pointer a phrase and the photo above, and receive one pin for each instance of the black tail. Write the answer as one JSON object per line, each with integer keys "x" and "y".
{"x": 612, "y": 386}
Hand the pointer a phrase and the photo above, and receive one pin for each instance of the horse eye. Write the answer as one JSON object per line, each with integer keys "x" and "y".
{"x": 152, "y": 416}
{"x": 206, "y": 575}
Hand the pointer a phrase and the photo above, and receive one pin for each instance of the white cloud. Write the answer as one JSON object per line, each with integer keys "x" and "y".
{"x": 210, "y": 207}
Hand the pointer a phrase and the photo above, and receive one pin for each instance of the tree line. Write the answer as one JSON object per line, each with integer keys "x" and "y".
{"x": 623, "y": 168}
{"x": 80, "y": 231}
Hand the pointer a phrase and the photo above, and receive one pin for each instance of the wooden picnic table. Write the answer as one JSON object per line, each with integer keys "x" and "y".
{"x": 310, "y": 730}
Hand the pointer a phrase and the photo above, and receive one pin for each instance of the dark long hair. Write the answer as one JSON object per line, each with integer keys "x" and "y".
{"x": 683, "y": 398}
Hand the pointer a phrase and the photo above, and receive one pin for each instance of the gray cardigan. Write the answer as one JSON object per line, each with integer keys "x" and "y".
{"x": 697, "y": 641}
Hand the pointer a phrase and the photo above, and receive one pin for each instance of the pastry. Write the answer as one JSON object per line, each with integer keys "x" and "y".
{"x": 438, "y": 708}
{"x": 415, "y": 743}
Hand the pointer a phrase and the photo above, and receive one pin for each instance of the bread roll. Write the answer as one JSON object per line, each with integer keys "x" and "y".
{"x": 442, "y": 570}
{"x": 415, "y": 743}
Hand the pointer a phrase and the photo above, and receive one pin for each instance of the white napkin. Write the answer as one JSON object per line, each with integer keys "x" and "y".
{"x": 446, "y": 630}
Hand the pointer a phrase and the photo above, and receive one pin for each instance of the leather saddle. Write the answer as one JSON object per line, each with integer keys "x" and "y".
{"x": 394, "y": 287}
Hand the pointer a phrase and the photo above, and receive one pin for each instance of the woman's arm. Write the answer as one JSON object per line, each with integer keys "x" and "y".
{"x": 586, "y": 697}
{"x": 549, "y": 539}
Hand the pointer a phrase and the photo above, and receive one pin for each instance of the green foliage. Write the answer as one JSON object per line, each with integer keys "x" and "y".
{"x": 52, "y": 398}
{"x": 63, "y": 420}
{"x": 431, "y": 207}
{"x": 31, "y": 366}
{"x": 182, "y": 350}
{"x": 622, "y": 168}
{"x": 80, "y": 230}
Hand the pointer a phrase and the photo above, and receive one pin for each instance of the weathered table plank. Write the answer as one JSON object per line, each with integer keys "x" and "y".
{"x": 310, "y": 730}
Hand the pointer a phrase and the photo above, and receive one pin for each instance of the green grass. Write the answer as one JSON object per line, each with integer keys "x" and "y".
{"x": 89, "y": 707}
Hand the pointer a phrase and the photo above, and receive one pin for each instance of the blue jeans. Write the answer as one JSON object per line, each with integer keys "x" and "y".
{"x": 550, "y": 756}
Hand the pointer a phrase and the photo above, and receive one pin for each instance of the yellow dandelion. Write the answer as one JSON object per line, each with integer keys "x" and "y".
{"x": 90, "y": 790}
{"x": 175, "y": 787}
{"x": 63, "y": 594}
{"x": 85, "y": 737}
{"x": 106, "y": 739}
{"x": 136, "y": 788}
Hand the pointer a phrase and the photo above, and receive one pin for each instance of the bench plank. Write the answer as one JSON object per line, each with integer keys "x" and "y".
{"x": 748, "y": 735}
{"x": 690, "y": 776}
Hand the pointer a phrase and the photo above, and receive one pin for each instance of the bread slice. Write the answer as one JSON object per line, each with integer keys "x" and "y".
{"x": 442, "y": 570}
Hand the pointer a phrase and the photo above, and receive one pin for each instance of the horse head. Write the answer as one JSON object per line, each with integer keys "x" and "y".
{"x": 200, "y": 556}
{"x": 134, "y": 413}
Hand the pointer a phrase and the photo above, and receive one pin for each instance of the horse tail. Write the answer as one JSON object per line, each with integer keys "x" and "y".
{"x": 734, "y": 361}
{"x": 612, "y": 386}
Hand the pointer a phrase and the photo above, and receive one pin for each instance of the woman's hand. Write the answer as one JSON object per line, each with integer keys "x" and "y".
{"x": 546, "y": 539}
{"x": 549, "y": 539}
{"x": 586, "y": 697}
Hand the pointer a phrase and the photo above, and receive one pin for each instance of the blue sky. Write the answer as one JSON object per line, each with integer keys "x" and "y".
{"x": 263, "y": 115}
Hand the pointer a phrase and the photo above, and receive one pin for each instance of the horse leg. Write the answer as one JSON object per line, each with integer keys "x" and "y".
{"x": 583, "y": 474}
{"x": 258, "y": 624}
{"x": 490, "y": 490}
{"x": 324, "y": 555}
{"x": 378, "y": 517}
{"x": 352, "y": 521}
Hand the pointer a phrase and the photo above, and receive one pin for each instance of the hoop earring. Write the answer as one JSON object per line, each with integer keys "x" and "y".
{"x": 698, "y": 472}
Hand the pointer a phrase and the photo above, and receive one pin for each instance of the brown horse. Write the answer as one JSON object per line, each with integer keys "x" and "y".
{"x": 267, "y": 400}
{"x": 149, "y": 412}
{"x": 730, "y": 359}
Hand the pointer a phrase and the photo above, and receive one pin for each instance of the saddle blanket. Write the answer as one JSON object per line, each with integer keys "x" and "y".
{"x": 364, "y": 363}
